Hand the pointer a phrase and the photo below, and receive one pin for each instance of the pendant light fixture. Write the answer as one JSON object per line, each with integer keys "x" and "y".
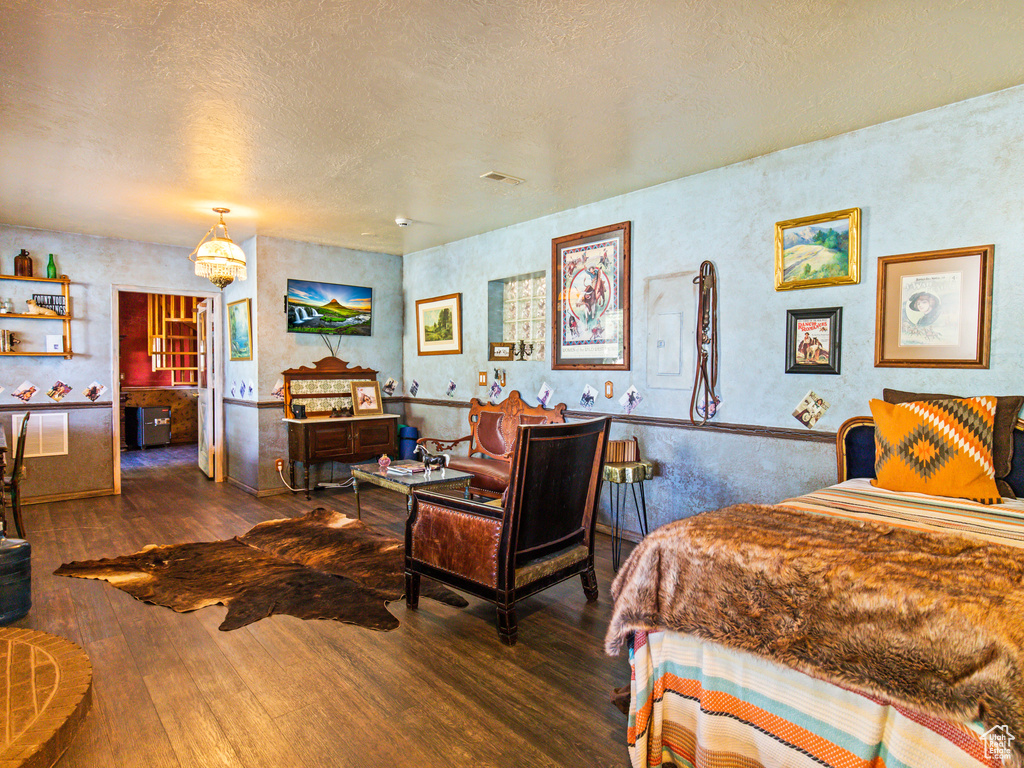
{"x": 216, "y": 257}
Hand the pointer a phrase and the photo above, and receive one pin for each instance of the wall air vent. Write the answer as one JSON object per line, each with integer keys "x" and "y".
{"x": 502, "y": 177}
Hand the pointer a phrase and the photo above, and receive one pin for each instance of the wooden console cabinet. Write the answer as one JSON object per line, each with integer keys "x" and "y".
{"x": 347, "y": 439}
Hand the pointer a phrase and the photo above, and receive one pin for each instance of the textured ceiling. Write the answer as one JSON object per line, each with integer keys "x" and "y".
{"x": 323, "y": 121}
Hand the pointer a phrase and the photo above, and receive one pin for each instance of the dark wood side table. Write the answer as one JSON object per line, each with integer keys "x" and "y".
{"x": 346, "y": 439}
{"x": 437, "y": 480}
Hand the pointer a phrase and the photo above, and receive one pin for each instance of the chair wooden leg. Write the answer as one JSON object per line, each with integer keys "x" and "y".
{"x": 508, "y": 629}
{"x": 16, "y": 508}
{"x": 589, "y": 579}
{"x": 412, "y": 589}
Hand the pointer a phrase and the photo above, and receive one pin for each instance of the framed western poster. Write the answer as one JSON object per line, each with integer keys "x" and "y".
{"x": 934, "y": 309}
{"x": 813, "y": 340}
{"x": 590, "y": 307}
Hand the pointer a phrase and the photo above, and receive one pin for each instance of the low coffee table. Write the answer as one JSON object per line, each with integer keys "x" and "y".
{"x": 436, "y": 480}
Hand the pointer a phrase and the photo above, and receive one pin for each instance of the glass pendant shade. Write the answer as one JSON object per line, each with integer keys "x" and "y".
{"x": 218, "y": 259}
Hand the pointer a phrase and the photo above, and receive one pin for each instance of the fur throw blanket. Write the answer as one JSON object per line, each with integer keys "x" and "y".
{"x": 931, "y": 621}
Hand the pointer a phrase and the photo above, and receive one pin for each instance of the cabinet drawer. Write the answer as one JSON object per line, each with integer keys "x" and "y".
{"x": 330, "y": 440}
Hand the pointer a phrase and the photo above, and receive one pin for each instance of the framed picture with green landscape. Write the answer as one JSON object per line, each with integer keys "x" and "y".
{"x": 240, "y": 330}
{"x": 329, "y": 308}
{"x": 439, "y": 325}
{"x": 818, "y": 250}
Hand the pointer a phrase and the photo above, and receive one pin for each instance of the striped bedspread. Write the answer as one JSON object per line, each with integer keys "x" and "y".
{"x": 699, "y": 704}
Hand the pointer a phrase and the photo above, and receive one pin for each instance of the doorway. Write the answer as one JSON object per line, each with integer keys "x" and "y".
{"x": 163, "y": 368}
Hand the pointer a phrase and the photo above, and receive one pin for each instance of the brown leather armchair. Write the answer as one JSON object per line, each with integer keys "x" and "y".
{"x": 543, "y": 535}
{"x": 492, "y": 438}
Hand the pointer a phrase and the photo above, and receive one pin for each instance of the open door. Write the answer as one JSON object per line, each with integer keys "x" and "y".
{"x": 211, "y": 431}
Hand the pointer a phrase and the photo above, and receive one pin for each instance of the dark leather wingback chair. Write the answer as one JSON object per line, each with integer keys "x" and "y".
{"x": 542, "y": 535}
{"x": 491, "y": 438}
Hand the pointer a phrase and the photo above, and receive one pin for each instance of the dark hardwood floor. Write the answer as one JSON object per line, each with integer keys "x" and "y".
{"x": 172, "y": 690}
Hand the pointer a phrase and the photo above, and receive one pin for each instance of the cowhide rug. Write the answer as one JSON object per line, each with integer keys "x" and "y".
{"x": 322, "y": 565}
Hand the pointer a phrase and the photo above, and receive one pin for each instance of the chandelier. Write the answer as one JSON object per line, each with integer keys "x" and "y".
{"x": 216, "y": 257}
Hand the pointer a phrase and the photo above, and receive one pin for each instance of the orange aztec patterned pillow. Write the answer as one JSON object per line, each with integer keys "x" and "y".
{"x": 938, "y": 447}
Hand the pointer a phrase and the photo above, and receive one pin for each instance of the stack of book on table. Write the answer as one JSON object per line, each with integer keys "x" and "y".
{"x": 406, "y": 467}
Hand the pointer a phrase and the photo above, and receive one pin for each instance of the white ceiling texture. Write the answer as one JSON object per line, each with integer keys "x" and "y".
{"x": 324, "y": 121}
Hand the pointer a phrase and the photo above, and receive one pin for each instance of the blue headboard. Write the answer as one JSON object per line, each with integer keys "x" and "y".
{"x": 855, "y": 452}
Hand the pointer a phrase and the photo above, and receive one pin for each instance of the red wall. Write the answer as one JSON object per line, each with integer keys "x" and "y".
{"x": 136, "y": 368}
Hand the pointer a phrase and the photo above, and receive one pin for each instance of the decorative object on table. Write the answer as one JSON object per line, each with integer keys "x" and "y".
{"x": 51, "y": 269}
{"x": 590, "y": 312}
{"x": 450, "y": 391}
{"x": 814, "y": 251}
{"x": 623, "y": 466}
{"x": 389, "y": 387}
{"x": 240, "y": 329}
{"x": 8, "y": 340}
{"x": 298, "y": 411}
{"x": 704, "y": 400}
{"x": 810, "y": 409}
{"x": 414, "y": 388}
{"x": 366, "y": 399}
{"x": 93, "y": 391}
{"x": 322, "y": 565}
{"x": 588, "y": 397}
{"x": 35, "y": 309}
{"x": 630, "y": 399}
{"x": 54, "y": 343}
{"x": 934, "y": 309}
{"x": 278, "y": 391}
{"x": 439, "y": 325}
{"x": 544, "y": 395}
{"x": 25, "y": 391}
{"x": 521, "y": 350}
{"x": 216, "y": 257}
{"x": 609, "y": 390}
{"x": 384, "y": 462}
{"x": 58, "y": 391}
{"x": 23, "y": 264}
{"x": 813, "y": 339}
{"x": 6, "y": 306}
{"x": 431, "y": 460}
{"x": 500, "y": 350}
{"x": 329, "y": 308}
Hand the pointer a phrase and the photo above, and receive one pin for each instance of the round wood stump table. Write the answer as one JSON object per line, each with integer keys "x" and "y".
{"x": 46, "y": 691}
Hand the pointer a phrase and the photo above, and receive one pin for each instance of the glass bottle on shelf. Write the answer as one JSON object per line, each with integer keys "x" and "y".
{"x": 51, "y": 268}
{"x": 23, "y": 264}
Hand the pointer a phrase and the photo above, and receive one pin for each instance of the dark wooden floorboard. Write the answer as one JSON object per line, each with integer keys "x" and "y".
{"x": 173, "y": 690}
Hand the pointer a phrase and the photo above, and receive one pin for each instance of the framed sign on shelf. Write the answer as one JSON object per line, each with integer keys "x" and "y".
{"x": 934, "y": 309}
{"x": 590, "y": 307}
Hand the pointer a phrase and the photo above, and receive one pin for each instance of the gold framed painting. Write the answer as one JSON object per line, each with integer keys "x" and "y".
{"x": 590, "y": 299}
{"x": 439, "y": 325}
{"x": 934, "y": 309}
{"x": 815, "y": 251}
{"x": 366, "y": 399}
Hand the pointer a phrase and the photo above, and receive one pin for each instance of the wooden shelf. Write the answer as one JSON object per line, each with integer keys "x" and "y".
{"x": 35, "y": 317}
{"x": 66, "y": 355}
{"x": 61, "y": 279}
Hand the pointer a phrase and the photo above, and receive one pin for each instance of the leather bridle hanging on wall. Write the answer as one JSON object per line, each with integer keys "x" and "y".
{"x": 706, "y": 375}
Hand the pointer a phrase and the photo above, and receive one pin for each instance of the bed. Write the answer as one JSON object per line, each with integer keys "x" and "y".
{"x": 924, "y": 668}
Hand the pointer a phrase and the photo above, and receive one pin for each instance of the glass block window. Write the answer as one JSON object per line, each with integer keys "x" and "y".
{"x": 524, "y": 312}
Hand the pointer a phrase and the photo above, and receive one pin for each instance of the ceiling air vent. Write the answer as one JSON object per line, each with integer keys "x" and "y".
{"x": 502, "y": 177}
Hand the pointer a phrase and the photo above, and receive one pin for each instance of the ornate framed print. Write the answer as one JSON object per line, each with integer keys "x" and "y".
{"x": 818, "y": 250}
{"x": 439, "y": 325}
{"x": 813, "y": 340}
{"x": 500, "y": 350}
{"x": 934, "y": 309}
{"x": 366, "y": 399}
{"x": 590, "y": 306}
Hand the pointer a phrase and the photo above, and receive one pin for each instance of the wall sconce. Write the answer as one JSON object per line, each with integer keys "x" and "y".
{"x": 217, "y": 258}
{"x": 521, "y": 350}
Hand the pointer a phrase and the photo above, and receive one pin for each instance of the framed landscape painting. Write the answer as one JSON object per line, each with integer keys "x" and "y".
{"x": 590, "y": 307}
{"x": 329, "y": 308}
{"x": 439, "y": 325}
{"x": 240, "y": 330}
{"x": 818, "y": 250}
